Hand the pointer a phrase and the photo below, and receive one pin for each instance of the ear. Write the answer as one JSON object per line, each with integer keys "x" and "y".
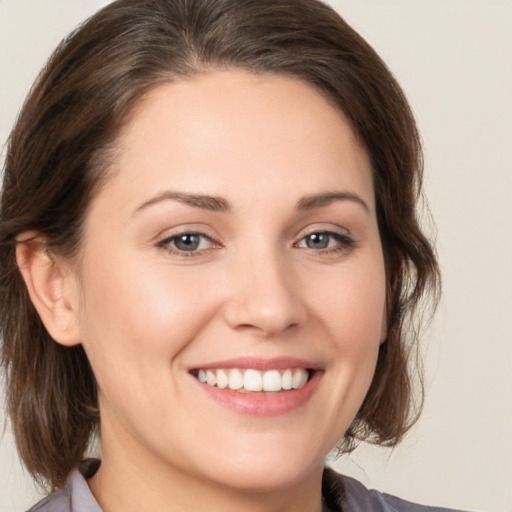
{"x": 51, "y": 284}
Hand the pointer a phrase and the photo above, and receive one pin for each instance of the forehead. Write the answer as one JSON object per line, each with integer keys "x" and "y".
{"x": 237, "y": 131}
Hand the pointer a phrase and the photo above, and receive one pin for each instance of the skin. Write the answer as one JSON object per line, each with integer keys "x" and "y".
{"x": 147, "y": 312}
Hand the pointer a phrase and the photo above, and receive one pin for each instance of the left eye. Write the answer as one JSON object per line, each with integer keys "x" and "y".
{"x": 187, "y": 242}
{"x": 324, "y": 240}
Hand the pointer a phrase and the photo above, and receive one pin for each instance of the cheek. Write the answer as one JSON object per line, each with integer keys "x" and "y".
{"x": 137, "y": 318}
{"x": 354, "y": 309}
{"x": 353, "y": 313}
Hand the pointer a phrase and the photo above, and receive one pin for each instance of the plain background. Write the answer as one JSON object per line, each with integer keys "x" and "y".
{"x": 454, "y": 60}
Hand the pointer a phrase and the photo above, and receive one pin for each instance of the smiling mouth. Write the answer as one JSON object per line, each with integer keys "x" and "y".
{"x": 248, "y": 380}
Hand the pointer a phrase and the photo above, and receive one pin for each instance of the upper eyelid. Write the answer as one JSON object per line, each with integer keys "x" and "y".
{"x": 177, "y": 231}
{"x": 329, "y": 228}
{"x": 182, "y": 233}
{"x": 212, "y": 235}
{"x": 175, "y": 236}
{"x": 334, "y": 234}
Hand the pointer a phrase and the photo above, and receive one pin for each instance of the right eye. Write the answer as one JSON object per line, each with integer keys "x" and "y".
{"x": 326, "y": 242}
{"x": 187, "y": 243}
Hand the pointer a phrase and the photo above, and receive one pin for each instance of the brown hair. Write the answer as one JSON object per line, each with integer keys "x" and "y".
{"x": 59, "y": 152}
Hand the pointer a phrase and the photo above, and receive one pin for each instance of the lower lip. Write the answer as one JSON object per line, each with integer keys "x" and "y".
{"x": 264, "y": 403}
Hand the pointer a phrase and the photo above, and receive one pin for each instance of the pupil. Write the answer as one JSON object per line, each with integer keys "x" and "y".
{"x": 187, "y": 242}
{"x": 318, "y": 241}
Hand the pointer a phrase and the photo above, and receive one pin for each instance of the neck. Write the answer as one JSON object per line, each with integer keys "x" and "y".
{"x": 131, "y": 482}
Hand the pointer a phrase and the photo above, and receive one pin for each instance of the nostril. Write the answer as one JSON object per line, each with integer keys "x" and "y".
{"x": 264, "y": 300}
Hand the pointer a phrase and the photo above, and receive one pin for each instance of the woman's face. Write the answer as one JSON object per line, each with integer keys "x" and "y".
{"x": 237, "y": 242}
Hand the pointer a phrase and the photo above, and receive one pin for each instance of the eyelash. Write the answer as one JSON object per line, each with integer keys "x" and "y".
{"x": 343, "y": 244}
{"x": 168, "y": 244}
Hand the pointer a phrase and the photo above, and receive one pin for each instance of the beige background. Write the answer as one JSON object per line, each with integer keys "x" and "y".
{"x": 454, "y": 60}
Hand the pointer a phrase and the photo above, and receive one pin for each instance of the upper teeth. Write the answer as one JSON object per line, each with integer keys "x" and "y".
{"x": 255, "y": 380}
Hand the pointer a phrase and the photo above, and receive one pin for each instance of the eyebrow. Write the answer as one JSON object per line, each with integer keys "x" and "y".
{"x": 326, "y": 198}
{"x": 219, "y": 204}
{"x": 205, "y": 202}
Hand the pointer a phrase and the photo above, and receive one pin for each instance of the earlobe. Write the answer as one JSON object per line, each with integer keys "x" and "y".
{"x": 50, "y": 284}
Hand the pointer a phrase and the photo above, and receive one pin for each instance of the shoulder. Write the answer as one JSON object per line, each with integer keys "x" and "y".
{"x": 75, "y": 496}
{"x": 59, "y": 501}
{"x": 350, "y": 495}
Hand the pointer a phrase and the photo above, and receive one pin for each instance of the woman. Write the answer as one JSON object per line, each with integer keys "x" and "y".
{"x": 211, "y": 258}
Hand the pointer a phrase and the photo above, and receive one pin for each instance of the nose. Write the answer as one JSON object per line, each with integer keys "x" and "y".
{"x": 265, "y": 297}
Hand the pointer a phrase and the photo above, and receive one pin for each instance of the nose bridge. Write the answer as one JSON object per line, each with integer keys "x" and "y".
{"x": 265, "y": 293}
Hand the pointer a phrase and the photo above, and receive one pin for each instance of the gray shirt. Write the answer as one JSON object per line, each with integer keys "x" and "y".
{"x": 340, "y": 493}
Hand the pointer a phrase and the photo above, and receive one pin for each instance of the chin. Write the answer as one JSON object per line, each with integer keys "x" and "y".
{"x": 265, "y": 479}
{"x": 267, "y": 469}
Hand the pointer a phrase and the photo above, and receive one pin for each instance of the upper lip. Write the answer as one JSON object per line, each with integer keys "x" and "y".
{"x": 257, "y": 363}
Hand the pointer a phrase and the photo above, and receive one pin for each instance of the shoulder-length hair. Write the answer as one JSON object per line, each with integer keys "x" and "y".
{"x": 59, "y": 152}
